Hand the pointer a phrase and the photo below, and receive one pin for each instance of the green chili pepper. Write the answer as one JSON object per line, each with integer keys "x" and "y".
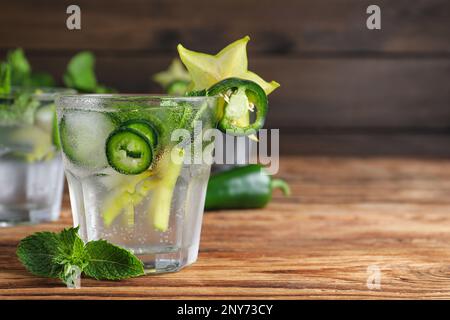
{"x": 241, "y": 97}
{"x": 242, "y": 188}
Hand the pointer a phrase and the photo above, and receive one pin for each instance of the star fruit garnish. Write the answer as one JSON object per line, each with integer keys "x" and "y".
{"x": 206, "y": 70}
{"x": 175, "y": 72}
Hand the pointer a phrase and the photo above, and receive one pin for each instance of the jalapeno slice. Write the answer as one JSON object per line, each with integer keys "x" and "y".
{"x": 145, "y": 128}
{"x": 241, "y": 98}
{"x": 128, "y": 151}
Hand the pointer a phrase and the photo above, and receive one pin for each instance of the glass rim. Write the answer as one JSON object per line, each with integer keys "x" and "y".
{"x": 97, "y": 101}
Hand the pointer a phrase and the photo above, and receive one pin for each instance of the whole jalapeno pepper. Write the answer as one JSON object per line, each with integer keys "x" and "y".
{"x": 242, "y": 188}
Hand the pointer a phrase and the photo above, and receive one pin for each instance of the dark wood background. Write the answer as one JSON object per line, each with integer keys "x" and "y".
{"x": 345, "y": 89}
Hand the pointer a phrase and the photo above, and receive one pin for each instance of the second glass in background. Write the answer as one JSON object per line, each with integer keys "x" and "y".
{"x": 31, "y": 171}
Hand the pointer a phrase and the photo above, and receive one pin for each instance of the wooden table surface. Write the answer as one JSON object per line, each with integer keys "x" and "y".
{"x": 346, "y": 215}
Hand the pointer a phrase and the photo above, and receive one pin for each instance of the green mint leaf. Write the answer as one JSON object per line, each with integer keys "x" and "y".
{"x": 199, "y": 93}
{"x": 59, "y": 255}
{"x": 71, "y": 252}
{"x": 70, "y": 241}
{"x": 5, "y": 78}
{"x": 19, "y": 109}
{"x": 71, "y": 249}
{"x": 37, "y": 253}
{"x": 48, "y": 254}
{"x": 103, "y": 89}
{"x": 41, "y": 79}
{"x": 21, "y": 74}
{"x": 20, "y": 67}
{"x": 110, "y": 262}
{"x": 80, "y": 73}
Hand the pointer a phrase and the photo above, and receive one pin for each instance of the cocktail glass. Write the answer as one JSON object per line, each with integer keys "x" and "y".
{"x": 155, "y": 211}
{"x": 31, "y": 170}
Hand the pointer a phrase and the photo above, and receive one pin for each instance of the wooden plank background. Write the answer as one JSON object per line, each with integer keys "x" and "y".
{"x": 337, "y": 77}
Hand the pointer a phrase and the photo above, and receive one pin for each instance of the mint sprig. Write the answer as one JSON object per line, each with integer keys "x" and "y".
{"x": 5, "y": 78}
{"x": 21, "y": 69}
{"x": 113, "y": 262}
{"x": 80, "y": 74}
{"x": 22, "y": 73}
{"x": 49, "y": 254}
{"x": 21, "y": 110}
{"x": 38, "y": 254}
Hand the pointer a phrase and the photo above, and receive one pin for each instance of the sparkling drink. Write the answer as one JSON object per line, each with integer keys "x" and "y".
{"x": 31, "y": 172}
{"x": 129, "y": 180}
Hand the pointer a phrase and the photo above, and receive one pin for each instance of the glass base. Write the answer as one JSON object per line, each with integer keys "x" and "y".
{"x": 155, "y": 263}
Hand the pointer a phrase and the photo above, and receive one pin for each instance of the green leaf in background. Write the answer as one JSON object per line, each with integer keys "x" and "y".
{"x": 103, "y": 89}
{"x": 20, "y": 67}
{"x": 5, "y": 78}
{"x": 178, "y": 87}
{"x": 21, "y": 73}
{"x": 41, "y": 79}
{"x": 21, "y": 110}
{"x": 80, "y": 73}
{"x": 107, "y": 261}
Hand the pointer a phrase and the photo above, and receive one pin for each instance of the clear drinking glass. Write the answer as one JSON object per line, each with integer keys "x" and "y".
{"x": 155, "y": 212}
{"x": 31, "y": 171}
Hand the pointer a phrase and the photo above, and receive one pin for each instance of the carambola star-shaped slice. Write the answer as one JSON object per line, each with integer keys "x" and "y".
{"x": 206, "y": 69}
